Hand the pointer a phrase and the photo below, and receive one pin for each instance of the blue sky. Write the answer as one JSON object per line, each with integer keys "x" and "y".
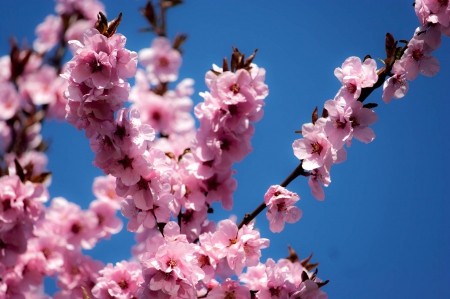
{"x": 383, "y": 229}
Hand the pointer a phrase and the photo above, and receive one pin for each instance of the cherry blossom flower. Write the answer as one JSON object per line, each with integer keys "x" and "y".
{"x": 161, "y": 61}
{"x": 48, "y": 33}
{"x": 396, "y": 86}
{"x": 362, "y": 117}
{"x": 241, "y": 247}
{"x": 355, "y": 75}
{"x": 338, "y": 126}
{"x": 319, "y": 176}
{"x": 121, "y": 281}
{"x": 108, "y": 223}
{"x": 281, "y": 209}
{"x": 9, "y": 100}
{"x": 229, "y": 289}
{"x": 233, "y": 88}
{"x": 104, "y": 188}
{"x": 314, "y": 148}
{"x": 416, "y": 59}
{"x": 87, "y": 8}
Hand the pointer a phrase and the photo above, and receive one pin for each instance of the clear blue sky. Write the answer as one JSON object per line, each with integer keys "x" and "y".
{"x": 383, "y": 229}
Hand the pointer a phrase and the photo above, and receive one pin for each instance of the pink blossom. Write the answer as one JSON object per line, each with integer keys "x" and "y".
{"x": 108, "y": 222}
{"x": 396, "y": 86}
{"x": 422, "y": 11}
{"x": 20, "y": 202}
{"x": 309, "y": 290}
{"x": 57, "y": 106}
{"x": 277, "y": 283}
{"x": 229, "y": 289}
{"x": 430, "y": 33}
{"x": 77, "y": 29}
{"x": 48, "y": 34}
{"x": 87, "y": 8}
{"x": 355, "y": 75}
{"x": 255, "y": 277}
{"x": 416, "y": 59}
{"x": 5, "y": 68}
{"x": 130, "y": 166}
{"x": 338, "y": 126}
{"x": 439, "y": 11}
{"x": 259, "y": 76}
{"x": 50, "y": 248}
{"x": 70, "y": 222}
{"x": 104, "y": 189}
{"x": 220, "y": 187}
{"x": 40, "y": 86}
{"x": 319, "y": 176}
{"x": 129, "y": 210}
{"x": 194, "y": 196}
{"x": 89, "y": 64}
{"x": 14, "y": 239}
{"x": 100, "y": 61}
{"x": 233, "y": 88}
{"x": 167, "y": 114}
{"x": 78, "y": 270}
{"x": 121, "y": 281}
{"x": 314, "y": 148}
{"x": 362, "y": 117}
{"x": 172, "y": 263}
{"x": 281, "y": 209}
{"x": 241, "y": 247}
{"x": 9, "y": 100}
{"x": 185, "y": 88}
{"x": 161, "y": 61}
{"x": 131, "y": 134}
{"x": 192, "y": 221}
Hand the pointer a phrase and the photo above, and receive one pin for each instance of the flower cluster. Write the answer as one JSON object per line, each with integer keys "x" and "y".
{"x": 281, "y": 209}
{"x": 21, "y": 204}
{"x": 161, "y": 168}
{"x": 226, "y": 126}
{"x": 53, "y": 244}
{"x": 73, "y": 19}
{"x": 96, "y": 76}
{"x": 343, "y": 118}
{"x": 346, "y": 116}
{"x": 284, "y": 279}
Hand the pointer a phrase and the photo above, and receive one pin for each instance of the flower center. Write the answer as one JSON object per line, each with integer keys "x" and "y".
{"x": 225, "y": 145}
{"x": 163, "y": 62}
{"x": 143, "y": 184}
{"x": 126, "y": 162}
{"x": 417, "y": 54}
{"x": 6, "y": 205}
{"x": 229, "y": 295}
{"x": 281, "y": 207}
{"x": 351, "y": 88}
{"x": 156, "y": 116}
{"x": 235, "y": 88}
{"x": 212, "y": 183}
{"x": 316, "y": 148}
{"x": 76, "y": 228}
{"x": 204, "y": 261}
{"x": 95, "y": 66}
{"x": 171, "y": 263}
{"x": 275, "y": 292}
{"x": 443, "y": 3}
{"x": 46, "y": 252}
{"x": 339, "y": 125}
{"x": 123, "y": 284}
